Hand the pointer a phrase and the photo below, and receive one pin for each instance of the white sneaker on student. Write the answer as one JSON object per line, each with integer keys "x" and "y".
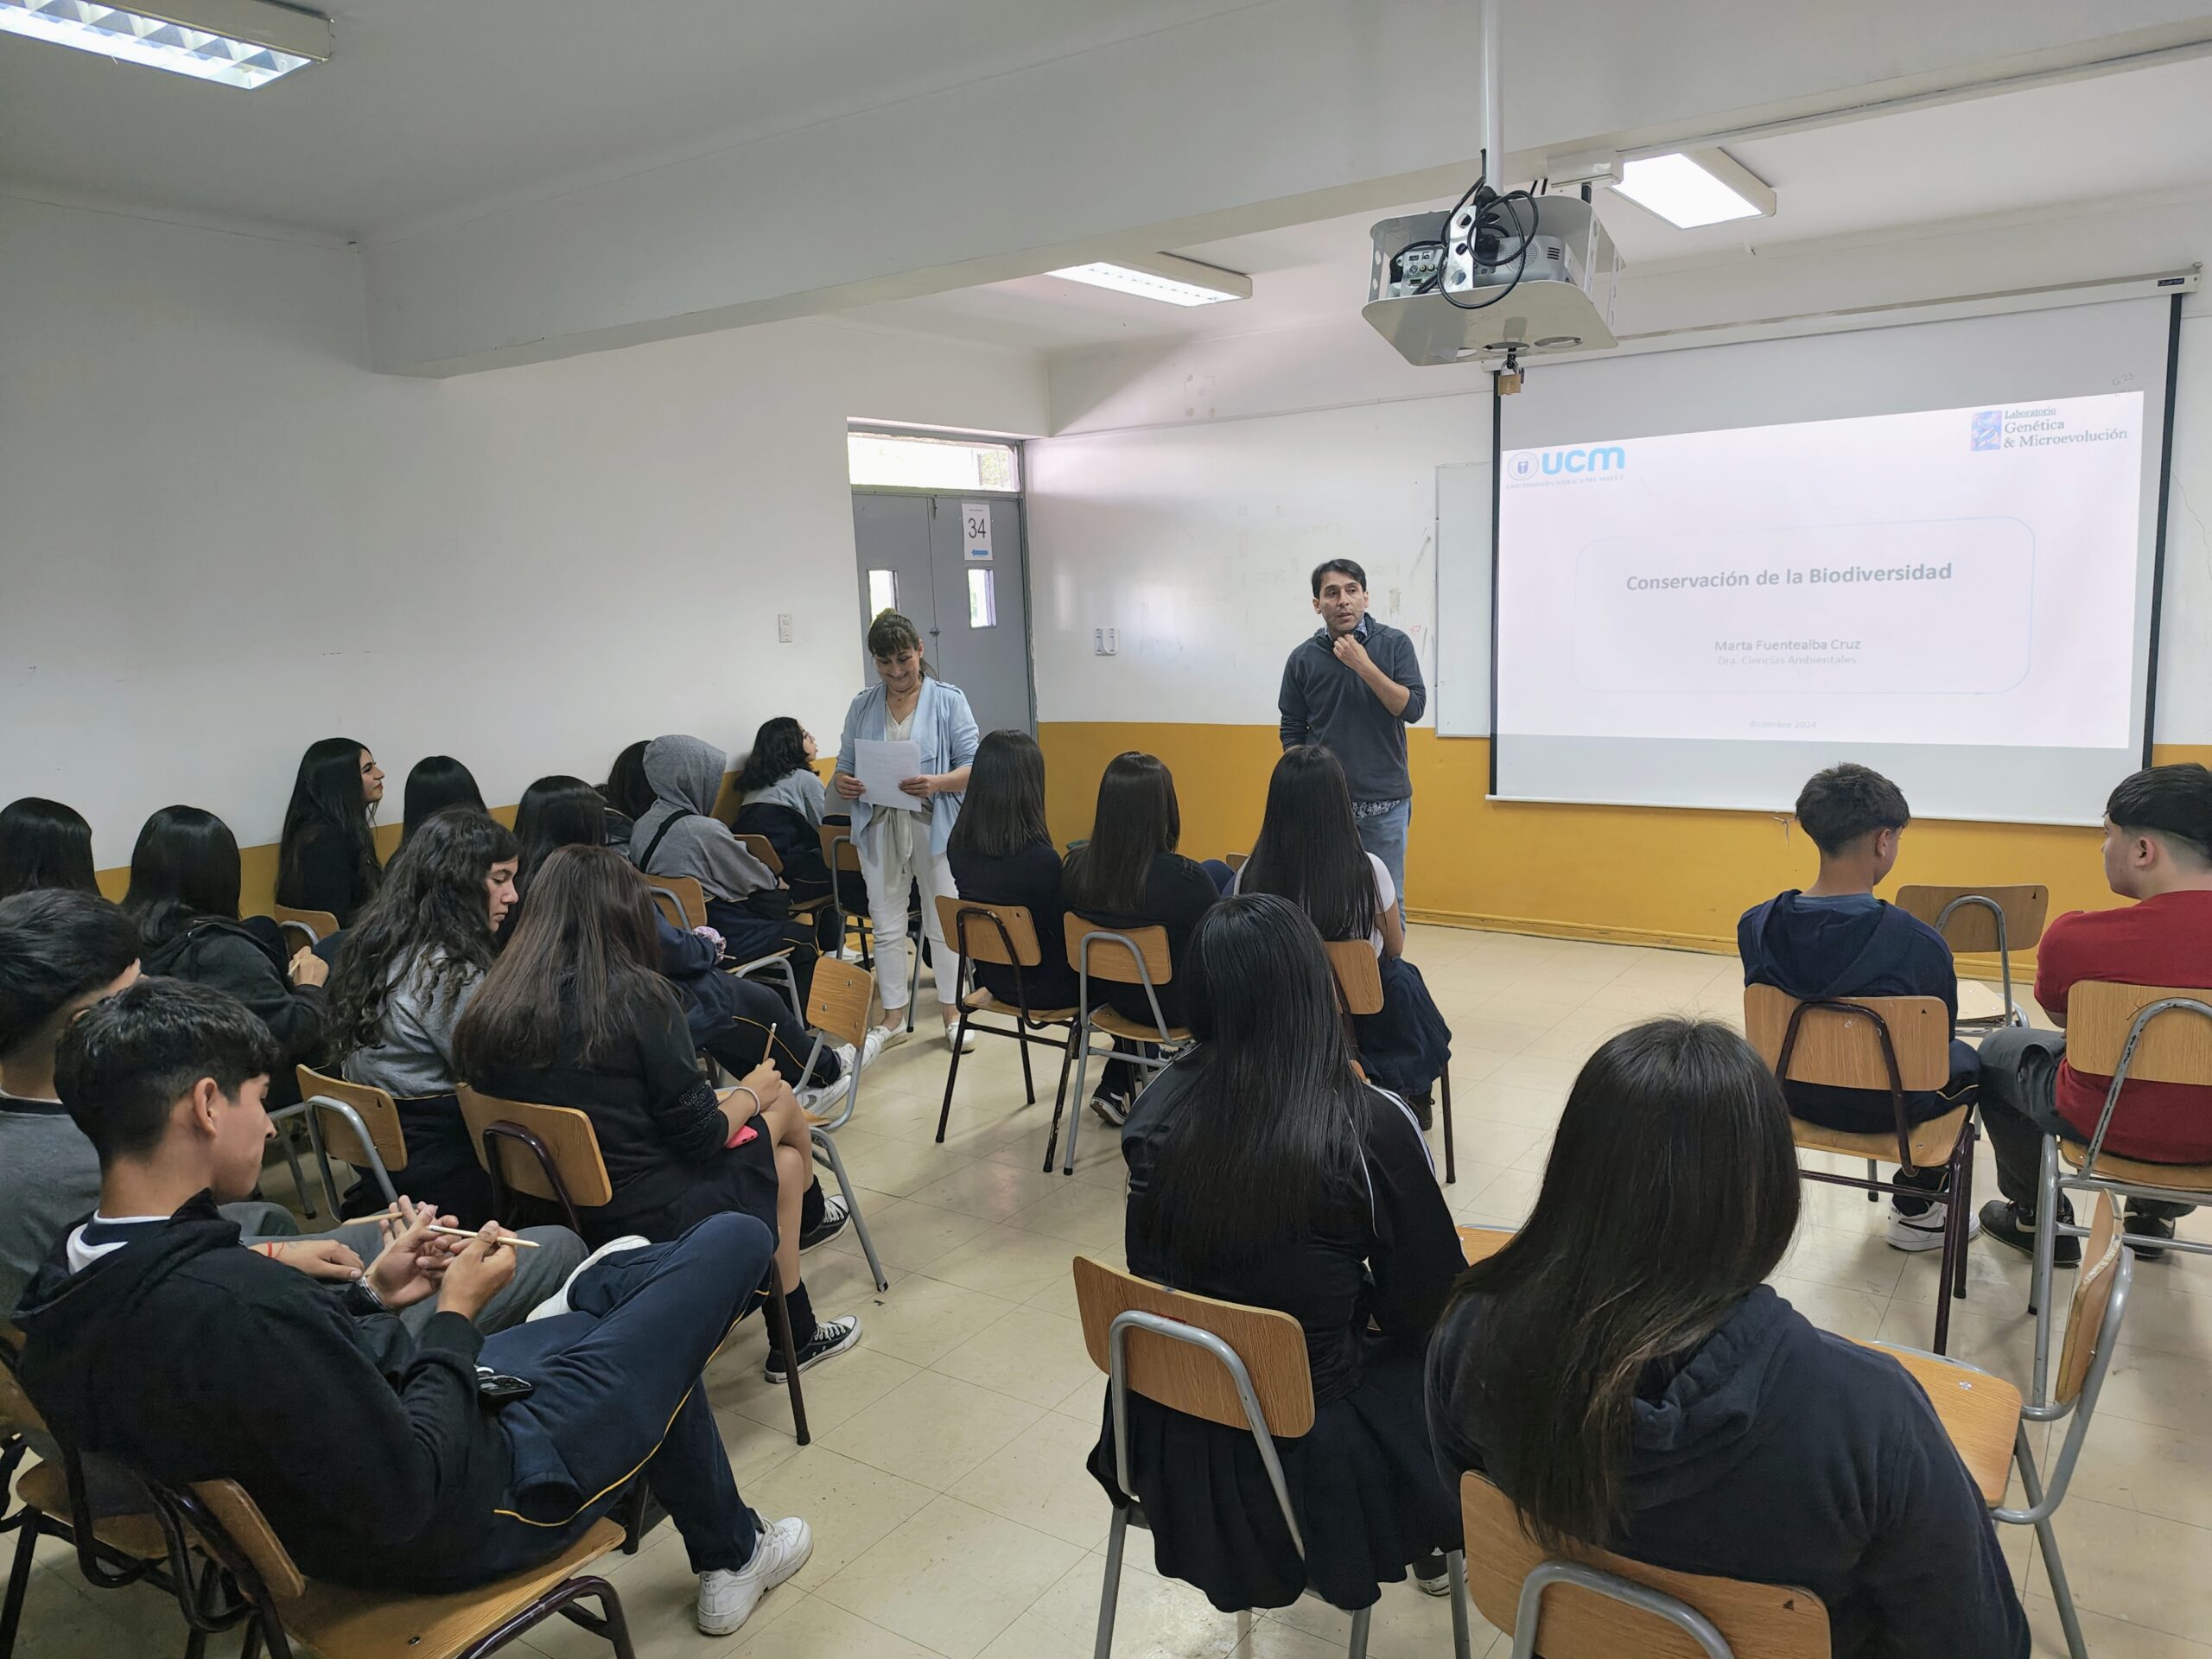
{"x": 557, "y": 1303}
{"x": 1925, "y": 1231}
{"x": 727, "y": 1600}
{"x": 882, "y": 1037}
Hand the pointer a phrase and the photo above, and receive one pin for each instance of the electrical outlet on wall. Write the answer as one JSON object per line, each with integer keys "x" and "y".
{"x": 783, "y": 627}
{"x": 1105, "y": 642}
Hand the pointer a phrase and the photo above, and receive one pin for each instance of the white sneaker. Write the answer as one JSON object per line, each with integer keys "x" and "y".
{"x": 952, "y": 1039}
{"x": 1925, "y": 1231}
{"x": 557, "y": 1304}
{"x": 727, "y": 1600}
{"x": 871, "y": 1047}
{"x": 882, "y": 1037}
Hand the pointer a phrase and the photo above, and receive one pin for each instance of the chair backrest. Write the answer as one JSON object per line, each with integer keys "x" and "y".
{"x": 837, "y": 1003}
{"x": 1480, "y": 1244}
{"x": 2176, "y": 1045}
{"x": 1184, "y": 1378}
{"x": 1111, "y": 959}
{"x": 317, "y": 925}
{"x": 1236, "y": 860}
{"x": 379, "y": 1116}
{"x": 567, "y": 1135}
{"x": 837, "y": 849}
{"x": 762, "y": 848}
{"x": 681, "y": 898}
{"x": 1972, "y": 928}
{"x": 2093, "y": 1288}
{"x": 1760, "y": 1621}
{"x": 984, "y": 932}
{"x": 1843, "y": 1049}
{"x": 243, "y": 1526}
{"x": 1359, "y": 976}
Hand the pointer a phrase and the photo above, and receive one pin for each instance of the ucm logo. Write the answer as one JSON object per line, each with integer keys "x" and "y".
{"x": 1527, "y": 463}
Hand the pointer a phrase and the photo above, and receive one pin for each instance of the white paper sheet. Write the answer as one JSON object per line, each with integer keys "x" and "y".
{"x": 881, "y": 767}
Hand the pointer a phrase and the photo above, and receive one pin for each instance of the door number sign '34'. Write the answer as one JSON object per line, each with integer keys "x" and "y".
{"x": 976, "y": 529}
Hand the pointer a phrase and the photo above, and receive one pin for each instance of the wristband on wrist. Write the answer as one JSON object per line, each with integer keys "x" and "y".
{"x": 738, "y": 1132}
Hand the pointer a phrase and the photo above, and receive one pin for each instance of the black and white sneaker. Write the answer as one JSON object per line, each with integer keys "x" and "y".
{"x": 1112, "y": 1110}
{"x": 836, "y": 1214}
{"x": 831, "y": 1338}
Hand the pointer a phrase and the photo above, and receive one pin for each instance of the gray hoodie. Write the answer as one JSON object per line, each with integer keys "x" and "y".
{"x": 686, "y": 775}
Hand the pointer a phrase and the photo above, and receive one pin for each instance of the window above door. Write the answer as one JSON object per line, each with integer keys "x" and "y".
{"x": 901, "y": 460}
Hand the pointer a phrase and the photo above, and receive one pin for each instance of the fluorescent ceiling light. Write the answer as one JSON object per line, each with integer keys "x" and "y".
{"x": 1694, "y": 188}
{"x": 236, "y": 43}
{"x": 1165, "y": 277}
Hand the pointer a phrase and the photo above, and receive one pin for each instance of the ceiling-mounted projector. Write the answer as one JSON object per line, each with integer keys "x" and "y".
{"x": 1497, "y": 278}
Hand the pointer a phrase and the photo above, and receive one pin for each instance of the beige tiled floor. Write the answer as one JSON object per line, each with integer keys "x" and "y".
{"x": 951, "y": 1512}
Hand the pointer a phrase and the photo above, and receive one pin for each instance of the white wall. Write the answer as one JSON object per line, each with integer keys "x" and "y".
{"x": 223, "y": 536}
{"x": 1189, "y": 490}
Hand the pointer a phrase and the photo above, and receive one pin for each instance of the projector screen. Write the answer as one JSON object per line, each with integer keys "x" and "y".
{"x": 1930, "y": 548}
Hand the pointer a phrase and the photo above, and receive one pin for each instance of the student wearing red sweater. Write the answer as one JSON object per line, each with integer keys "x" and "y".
{"x": 2157, "y": 851}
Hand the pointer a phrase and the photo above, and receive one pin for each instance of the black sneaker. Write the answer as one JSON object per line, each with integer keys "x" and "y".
{"x": 1112, "y": 1110}
{"x": 831, "y": 1338}
{"x": 1424, "y": 1105}
{"x": 836, "y": 1214}
{"x": 1432, "y": 1574}
{"x": 2151, "y": 1227}
{"x": 2002, "y": 1220}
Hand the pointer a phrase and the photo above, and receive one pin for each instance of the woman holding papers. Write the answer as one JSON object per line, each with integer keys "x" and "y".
{"x": 902, "y": 763}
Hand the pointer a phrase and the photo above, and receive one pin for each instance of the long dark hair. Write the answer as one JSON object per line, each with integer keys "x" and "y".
{"x": 1003, "y": 810}
{"x": 1309, "y": 850}
{"x": 626, "y": 790}
{"x": 1671, "y": 1192}
{"x": 436, "y": 782}
{"x": 185, "y": 867}
{"x": 1271, "y": 1130}
{"x": 555, "y": 812}
{"x": 586, "y": 959}
{"x": 327, "y": 799}
{"x": 1137, "y": 820}
{"x": 44, "y": 844}
{"x": 432, "y": 913}
{"x": 779, "y": 750}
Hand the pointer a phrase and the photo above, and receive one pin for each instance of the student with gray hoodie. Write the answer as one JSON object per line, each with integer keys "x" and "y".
{"x": 1623, "y": 1373}
{"x": 679, "y": 835}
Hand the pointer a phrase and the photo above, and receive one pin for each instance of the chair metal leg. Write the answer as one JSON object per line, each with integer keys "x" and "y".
{"x": 1962, "y": 1201}
{"x": 1358, "y": 1647}
{"x": 1021, "y": 1037}
{"x": 780, "y": 1332}
{"x": 299, "y": 1180}
{"x": 1451, "y": 1159}
{"x": 19, "y": 1584}
{"x": 1455, "y": 1567}
{"x": 1955, "y": 1232}
{"x": 322, "y": 1162}
{"x": 1874, "y": 1174}
{"x": 829, "y": 1144}
{"x": 2047, "y": 1539}
{"x": 1109, "y": 1593}
{"x": 952, "y": 1076}
{"x": 1079, "y": 1047}
{"x": 2039, "y": 1285}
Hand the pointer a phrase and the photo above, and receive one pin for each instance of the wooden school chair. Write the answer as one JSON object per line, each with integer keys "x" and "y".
{"x": 1240, "y": 1366}
{"x": 1974, "y": 921}
{"x": 1005, "y": 936}
{"x": 1136, "y": 957}
{"x": 304, "y": 927}
{"x": 838, "y": 1009}
{"x": 355, "y": 1124}
{"x": 552, "y": 1152}
{"x": 682, "y": 902}
{"x": 1359, "y": 985}
{"x": 764, "y": 850}
{"x": 2145, "y": 1034}
{"x": 1590, "y": 1604}
{"x": 844, "y": 858}
{"x": 338, "y": 1622}
{"x": 1886, "y": 1044}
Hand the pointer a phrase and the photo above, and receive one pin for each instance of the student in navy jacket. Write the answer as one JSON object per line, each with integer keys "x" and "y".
{"x": 1620, "y": 1371}
{"x": 1836, "y": 939}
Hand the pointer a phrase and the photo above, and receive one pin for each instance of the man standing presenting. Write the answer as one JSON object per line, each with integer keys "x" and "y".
{"x": 1354, "y": 688}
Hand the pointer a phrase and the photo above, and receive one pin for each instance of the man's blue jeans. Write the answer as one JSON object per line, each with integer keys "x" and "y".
{"x": 1384, "y": 835}
{"x": 618, "y": 1389}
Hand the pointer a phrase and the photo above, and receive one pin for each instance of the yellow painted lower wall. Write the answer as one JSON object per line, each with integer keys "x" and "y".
{"x": 1650, "y": 875}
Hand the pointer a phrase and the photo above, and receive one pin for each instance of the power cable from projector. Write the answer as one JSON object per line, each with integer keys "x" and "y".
{"x": 1492, "y": 211}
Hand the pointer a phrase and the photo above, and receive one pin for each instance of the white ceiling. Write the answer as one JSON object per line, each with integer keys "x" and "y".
{"x": 433, "y": 107}
{"x": 2141, "y": 133}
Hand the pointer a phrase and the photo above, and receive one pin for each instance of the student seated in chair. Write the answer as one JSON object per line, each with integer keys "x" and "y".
{"x": 410, "y": 965}
{"x": 1262, "y": 1170}
{"x": 373, "y": 1451}
{"x": 1836, "y": 939}
{"x": 60, "y": 953}
{"x": 1002, "y": 854}
{"x": 327, "y": 858}
{"x": 780, "y": 797}
{"x": 2157, "y": 851}
{"x": 1309, "y": 851}
{"x": 575, "y": 1013}
{"x": 1623, "y": 1374}
{"x": 44, "y": 844}
{"x": 679, "y": 836}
